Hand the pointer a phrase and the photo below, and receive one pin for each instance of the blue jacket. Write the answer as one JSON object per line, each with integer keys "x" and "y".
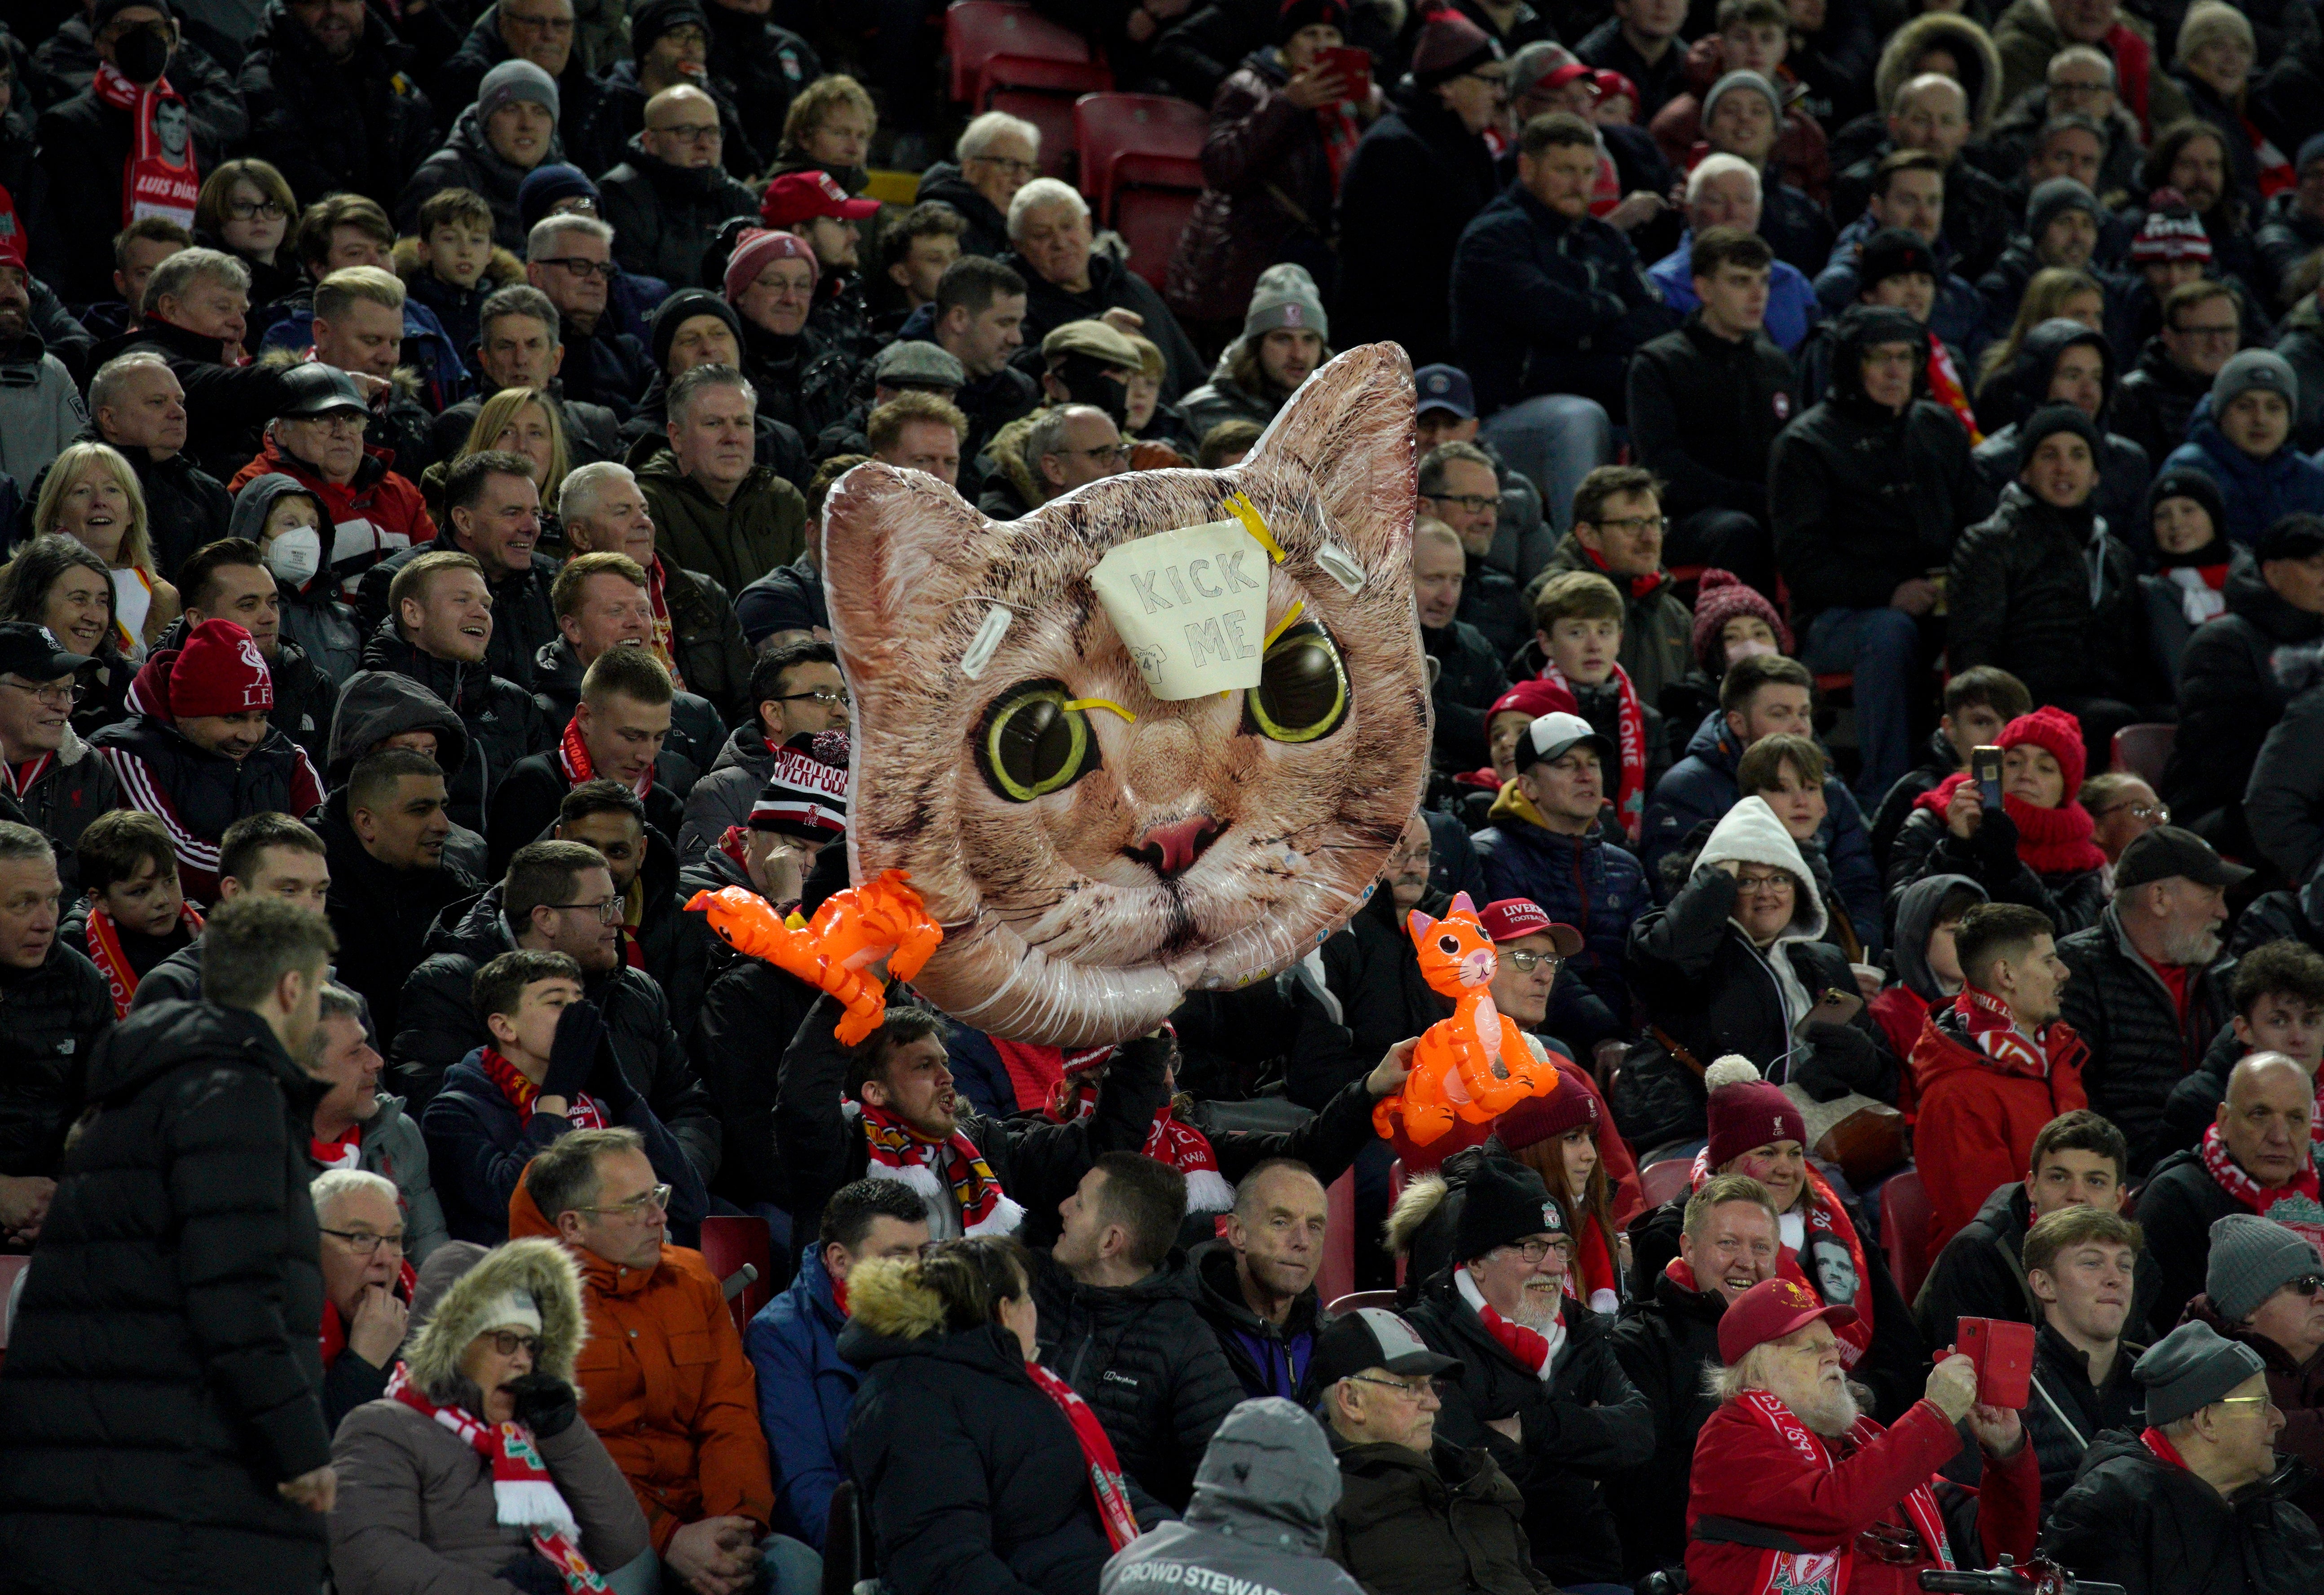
{"x": 1584, "y": 881}
{"x": 805, "y": 1388}
{"x": 426, "y": 346}
{"x": 1792, "y": 304}
{"x": 477, "y": 1148}
{"x": 1545, "y": 304}
{"x": 1701, "y": 787}
{"x": 1958, "y": 316}
{"x": 2259, "y": 492}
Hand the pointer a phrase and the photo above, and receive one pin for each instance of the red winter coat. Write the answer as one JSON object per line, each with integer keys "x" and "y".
{"x": 1978, "y": 1118}
{"x": 1744, "y": 1472}
{"x": 378, "y": 514}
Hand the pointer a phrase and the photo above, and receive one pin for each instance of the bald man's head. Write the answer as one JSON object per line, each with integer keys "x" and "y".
{"x": 2265, "y": 1120}
{"x": 681, "y": 128}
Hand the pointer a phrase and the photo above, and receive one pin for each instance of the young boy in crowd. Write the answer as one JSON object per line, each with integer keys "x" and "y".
{"x": 1978, "y": 702}
{"x": 452, "y": 251}
{"x": 1577, "y": 641}
{"x": 1788, "y": 772}
{"x": 135, "y": 913}
{"x": 1927, "y": 965}
{"x": 2279, "y": 1001}
{"x": 2080, "y": 1265}
{"x": 2244, "y": 443}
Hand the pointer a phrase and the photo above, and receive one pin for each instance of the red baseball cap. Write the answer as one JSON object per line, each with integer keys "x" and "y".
{"x": 1769, "y": 1310}
{"x": 1512, "y": 918}
{"x": 803, "y": 196}
{"x": 12, "y": 246}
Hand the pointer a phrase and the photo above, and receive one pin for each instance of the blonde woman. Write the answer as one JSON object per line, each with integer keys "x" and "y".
{"x": 522, "y": 421}
{"x": 91, "y": 495}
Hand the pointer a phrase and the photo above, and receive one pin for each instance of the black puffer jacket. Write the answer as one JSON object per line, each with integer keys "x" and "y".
{"x": 1665, "y": 1343}
{"x": 2068, "y": 1413}
{"x": 53, "y": 1016}
{"x": 1925, "y": 847}
{"x": 524, "y": 620}
{"x": 2229, "y": 692}
{"x": 1864, "y": 499}
{"x": 437, "y": 1025}
{"x": 972, "y": 1480}
{"x": 162, "y": 1379}
{"x": 664, "y": 216}
{"x": 2153, "y": 1528}
{"x": 2177, "y": 1207}
{"x": 359, "y": 125}
{"x": 502, "y": 722}
{"x": 1038, "y": 1164}
{"x": 382, "y": 915}
{"x": 2020, "y": 595}
{"x": 1146, "y": 1363}
{"x": 1581, "y": 1425}
{"x": 2155, "y": 401}
{"x": 1981, "y": 1273}
{"x": 743, "y": 1008}
{"x": 2140, "y": 1046}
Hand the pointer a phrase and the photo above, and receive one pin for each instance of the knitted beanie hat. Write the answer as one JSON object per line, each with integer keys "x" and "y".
{"x": 759, "y": 249}
{"x": 2058, "y": 732}
{"x": 219, "y": 672}
{"x": 1721, "y": 596}
{"x": 515, "y": 80}
{"x": 2251, "y": 1259}
{"x": 1448, "y": 45}
{"x": 1746, "y": 1111}
{"x": 2057, "y": 418}
{"x": 2054, "y": 197}
{"x": 682, "y": 307}
{"x": 805, "y": 794}
{"x": 1538, "y": 1118}
{"x": 1503, "y": 1203}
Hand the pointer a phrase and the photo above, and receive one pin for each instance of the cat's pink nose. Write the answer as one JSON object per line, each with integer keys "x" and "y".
{"x": 1169, "y": 850}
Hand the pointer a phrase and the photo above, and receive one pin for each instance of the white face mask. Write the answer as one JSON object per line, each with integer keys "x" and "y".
{"x": 1738, "y": 651}
{"x": 295, "y": 555}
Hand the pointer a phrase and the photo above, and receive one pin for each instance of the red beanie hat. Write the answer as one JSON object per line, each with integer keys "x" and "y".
{"x": 1537, "y": 1119}
{"x": 219, "y": 672}
{"x": 1746, "y": 1111}
{"x": 1721, "y": 596}
{"x": 2057, "y": 732}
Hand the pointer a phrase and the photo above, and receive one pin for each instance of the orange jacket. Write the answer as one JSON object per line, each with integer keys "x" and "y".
{"x": 1978, "y": 1118}
{"x": 666, "y": 1385}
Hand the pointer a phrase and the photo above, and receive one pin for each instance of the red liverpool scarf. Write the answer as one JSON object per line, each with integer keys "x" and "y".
{"x": 2295, "y": 1206}
{"x": 898, "y": 1153}
{"x": 1593, "y": 1263}
{"x": 105, "y": 951}
{"x": 665, "y": 630}
{"x": 1529, "y": 1348}
{"x": 1945, "y": 388}
{"x": 1630, "y": 782}
{"x": 1786, "y": 1573}
{"x": 1107, "y": 1486}
{"x": 1990, "y": 1026}
{"x": 573, "y": 753}
{"x": 2049, "y": 841}
{"x": 1827, "y": 1218}
{"x": 524, "y": 1496}
{"x": 152, "y": 184}
{"x": 343, "y": 1150}
{"x": 584, "y": 1112}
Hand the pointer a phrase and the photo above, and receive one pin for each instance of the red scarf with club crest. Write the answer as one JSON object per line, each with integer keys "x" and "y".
{"x": 1990, "y": 1026}
{"x": 105, "y": 951}
{"x": 2296, "y": 1205}
{"x": 584, "y": 1112}
{"x": 1107, "y": 1486}
{"x": 665, "y": 630}
{"x": 152, "y": 184}
{"x": 1630, "y": 781}
{"x": 573, "y": 754}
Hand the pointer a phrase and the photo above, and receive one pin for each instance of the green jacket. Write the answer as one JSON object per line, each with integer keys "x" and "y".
{"x": 1450, "y": 1523}
{"x": 1658, "y": 629}
{"x": 762, "y": 526}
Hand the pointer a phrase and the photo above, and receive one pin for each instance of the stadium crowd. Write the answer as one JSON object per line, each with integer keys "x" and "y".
{"x": 1868, "y": 547}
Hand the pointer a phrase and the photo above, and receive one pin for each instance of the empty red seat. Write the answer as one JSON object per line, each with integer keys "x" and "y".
{"x": 1043, "y": 93}
{"x": 2144, "y": 750}
{"x": 1904, "y": 1213}
{"x": 1659, "y": 1182}
{"x": 1149, "y": 221}
{"x": 730, "y": 1240}
{"x": 1336, "y": 1277}
{"x": 976, "y": 30}
{"x": 1151, "y": 140}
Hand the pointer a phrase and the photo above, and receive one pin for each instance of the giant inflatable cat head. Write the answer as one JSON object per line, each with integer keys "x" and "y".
{"x": 1095, "y": 841}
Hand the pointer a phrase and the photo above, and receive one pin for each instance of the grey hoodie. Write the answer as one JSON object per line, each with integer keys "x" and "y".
{"x": 1260, "y": 1517}
{"x": 376, "y": 704}
{"x": 1916, "y": 916}
{"x": 312, "y": 615}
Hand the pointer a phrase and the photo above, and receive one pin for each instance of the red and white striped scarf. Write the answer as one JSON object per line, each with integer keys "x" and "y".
{"x": 103, "y": 940}
{"x": 665, "y": 629}
{"x": 524, "y": 1496}
{"x": 2296, "y": 1205}
{"x": 1110, "y": 1490}
{"x": 1630, "y": 781}
{"x": 152, "y": 184}
{"x": 897, "y": 1153}
{"x": 1533, "y": 1350}
{"x": 584, "y": 1112}
{"x": 1989, "y": 1023}
{"x": 573, "y": 755}
{"x": 1789, "y": 1574}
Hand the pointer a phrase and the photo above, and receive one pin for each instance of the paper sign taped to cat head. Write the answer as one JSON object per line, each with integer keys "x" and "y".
{"x": 1158, "y": 736}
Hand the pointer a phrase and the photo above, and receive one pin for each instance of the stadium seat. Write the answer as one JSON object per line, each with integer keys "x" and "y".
{"x": 1905, "y": 1212}
{"x": 1659, "y": 1182}
{"x": 1337, "y": 1275}
{"x": 976, "y": 30}
{"x": 1362, "y": 1299}
{"x": 1128, "y": 139}
{"x": 1149, "y": 221}
{"x": 2144, "y": 750}
{"x": 731, "y": 1241}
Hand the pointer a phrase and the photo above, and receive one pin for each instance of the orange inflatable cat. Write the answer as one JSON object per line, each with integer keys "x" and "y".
{"x": 883, "y": 917}
{"x": 1477, "y": 1064}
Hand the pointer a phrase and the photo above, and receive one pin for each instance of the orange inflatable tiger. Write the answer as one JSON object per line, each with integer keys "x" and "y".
{"x": 1476, "y": 1065}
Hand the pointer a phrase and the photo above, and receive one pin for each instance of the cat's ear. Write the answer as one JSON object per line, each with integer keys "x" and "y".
{"x": 1419, "y": 924}
{"x": 891, "y": 539}
{"x": 1462, "y": 908}
{"x": 1346, "y": 436}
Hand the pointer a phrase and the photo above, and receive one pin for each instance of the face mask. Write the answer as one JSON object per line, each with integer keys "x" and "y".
{"x": 1736, "y": 651}
{"x": 295, "y": 555}
{"x": 141, "y": 55}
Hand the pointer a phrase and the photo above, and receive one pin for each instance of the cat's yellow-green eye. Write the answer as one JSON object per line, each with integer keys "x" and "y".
{"x": 1303, "y": 687}
{"x": 1034, "y": 742}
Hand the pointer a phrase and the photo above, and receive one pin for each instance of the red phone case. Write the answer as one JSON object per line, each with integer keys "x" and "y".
{"x": 1354, "y": 67}
{"x": 2004, "y": 1354}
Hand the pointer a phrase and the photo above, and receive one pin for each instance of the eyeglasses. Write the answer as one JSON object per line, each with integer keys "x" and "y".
{"x": 645, "y": 1202}
{"x": 1476, "y": 503}
{"x": 1119, "y": 452}
{"x": 603, "y": 270}
{"x": 1422, "y": 1388}
{"x": 245, "y": 210}
{"x": 1779, "y": 885}
{"x": 2245, "y": 1400}
{"x": 1532, "y": 1251}
{"x": 696, "y": 135}
{"x": 1636, "y": 525}
{"x": 362, "y": 1242}
{"x": 2159, "y": 813}
{"x": 336, "y": 422}
{"x": 1527, "y": 963}
{"x": 2211, "y": 334}
{"x": 66, "y": 696}
{"x": 506, "y": 1341}
{"x": 825, "y": 695}
{"x": 1012, "y": 167}
{"x": 608, "y": 912}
